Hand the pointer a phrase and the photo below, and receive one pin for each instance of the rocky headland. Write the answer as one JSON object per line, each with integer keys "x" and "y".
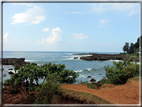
{"x": 16, "y": 62}
{"x": 104, "y": 57}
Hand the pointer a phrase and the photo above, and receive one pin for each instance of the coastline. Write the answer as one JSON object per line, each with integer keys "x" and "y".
{"x": 104, "y": 57}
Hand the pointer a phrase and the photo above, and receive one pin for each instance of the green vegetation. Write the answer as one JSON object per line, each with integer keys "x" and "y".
{"x": 47, "y": 90}
{"x": 133, "y": 48}
{"x": 35, "y": 72}
{"x": 120, "y": 72}
{"x": 52, "y": 74}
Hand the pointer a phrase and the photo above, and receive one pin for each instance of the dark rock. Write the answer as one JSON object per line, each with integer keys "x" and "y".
{"x": 92, "y": 80}
{"x": 89, "y": 77}
{"x": 34, "y": 64}
{"x": 26, "y": 62}
{"x": 10, "y": 69}
{"x": 99, "y": 74}
{"x": 10, "y": 72}
{"x": 75, "y": 58}
{"x": 17, "y": 66}
{"x": 104, "y": 57}
{"x": 13, "y": 61}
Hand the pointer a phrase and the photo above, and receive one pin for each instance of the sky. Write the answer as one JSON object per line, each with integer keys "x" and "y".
{"x": 81, "y": 27}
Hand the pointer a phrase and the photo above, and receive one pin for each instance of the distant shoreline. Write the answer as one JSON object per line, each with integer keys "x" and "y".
{"x": 104, "y": 57}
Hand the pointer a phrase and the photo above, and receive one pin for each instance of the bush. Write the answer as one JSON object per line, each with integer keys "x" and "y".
{"x": 102, "y": 81}
{"x": 132, "y": 70}
{"x": 48, "y": 90}
{"x": 120, "y": 72}
{"x": 35, "y": 72}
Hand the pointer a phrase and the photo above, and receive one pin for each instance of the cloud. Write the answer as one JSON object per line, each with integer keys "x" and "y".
{"x": 45, "y": 29}
{"x": 5, "y": 37}
{"x": 98, "y": 8}
{"x": 54, "y": 37}
{"x": 119, "y": 7}
{"x": 79, "y": 36}
{"x": 25, "y": 4}
{"x": 31, "y": 16}
{"x": 132, "y": 12}
{"x": 102, "y": 22}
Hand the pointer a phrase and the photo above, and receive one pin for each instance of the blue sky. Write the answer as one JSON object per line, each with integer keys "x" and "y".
{"x": 91, "y": 27}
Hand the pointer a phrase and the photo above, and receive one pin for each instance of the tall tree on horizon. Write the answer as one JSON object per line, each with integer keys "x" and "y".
{"x": 126, "y": 47}
{"x": 131, "y": 49}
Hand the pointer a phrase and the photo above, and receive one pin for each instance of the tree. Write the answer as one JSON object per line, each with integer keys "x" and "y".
{"x": 126, "y": 47}
{"x": 131, "y": 50}
{"x": 136, "y": 45}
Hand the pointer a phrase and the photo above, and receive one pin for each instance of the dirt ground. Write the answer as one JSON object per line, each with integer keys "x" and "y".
{"x": 119, "y": 94}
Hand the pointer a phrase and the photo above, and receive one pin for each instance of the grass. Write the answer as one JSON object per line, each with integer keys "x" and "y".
{"x": 135, "y": 78}
{"x": 133, "y": 55}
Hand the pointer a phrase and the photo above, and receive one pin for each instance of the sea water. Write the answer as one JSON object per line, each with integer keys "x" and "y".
{"x": 95, "y": 69}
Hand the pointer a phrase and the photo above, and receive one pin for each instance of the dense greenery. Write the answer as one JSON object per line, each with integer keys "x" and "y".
{"x": 133, "y": 48}
{"x": 48, "y": 90}
{"x": 35, "y": 72}
{"x": 120, "y": 72}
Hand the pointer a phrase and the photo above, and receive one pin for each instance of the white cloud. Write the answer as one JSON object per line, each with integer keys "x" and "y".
{"x": 76, "y": 12}
{"x": 79, "y": 36}
{"x": 26, "y": 4}
{"x": 102, "y": 22}
{"x": 45, "y": 29}
{"x": 98, "y": 8}
{"x": 5, "y": 36}
{"x": 54, "y": 37}
{"x": 31, "y": 16}
{"x": 119, "y": 7}
{"x": 132, "y": 12}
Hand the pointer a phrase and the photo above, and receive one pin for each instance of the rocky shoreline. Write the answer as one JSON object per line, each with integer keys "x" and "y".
{"x": 104, "y": 57}
{"x": 16, "y": 62}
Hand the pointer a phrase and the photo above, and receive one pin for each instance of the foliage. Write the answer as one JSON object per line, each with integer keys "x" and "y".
{"x": 102, "y": 81}
{"x": 132, "y": 70}
{"x": 134, "y": 47}
{"x": 126, "y": 47}
{"x": 90, "y": 85}
{"x": 131, "y": 49}
{"x": 35, "y": 72}
{"x": 48, "y": 89}
{"x": 120, "y": 72}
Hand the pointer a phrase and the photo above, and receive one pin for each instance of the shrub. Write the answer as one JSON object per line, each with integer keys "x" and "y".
{"x": 132, "y": 70}
{"x": 35, "y": 72}
{"x": 120, "y": 72}
{"x": 48, "y": 89}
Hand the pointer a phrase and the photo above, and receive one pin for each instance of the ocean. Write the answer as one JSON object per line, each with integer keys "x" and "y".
{"x": 95, "y": 69}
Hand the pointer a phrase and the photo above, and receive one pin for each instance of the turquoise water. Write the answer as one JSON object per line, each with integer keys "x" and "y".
{"x": 95, "y": 69}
